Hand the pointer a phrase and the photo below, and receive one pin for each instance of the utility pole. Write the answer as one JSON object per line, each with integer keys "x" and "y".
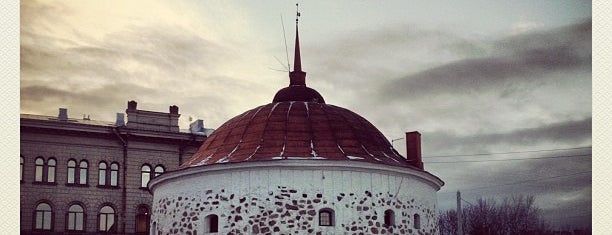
{"x": 459, "y": 215}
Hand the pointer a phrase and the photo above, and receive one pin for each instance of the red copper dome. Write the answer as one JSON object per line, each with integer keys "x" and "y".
{"x": 297, "y": 125}
{"x": 296, "y": 130}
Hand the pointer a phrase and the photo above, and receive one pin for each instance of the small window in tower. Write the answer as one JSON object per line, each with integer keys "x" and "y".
{"x": 417, "y": 221}
{"x": 211, "y": 224}
{"x": 326, "y": 217}
{"x": 389, "y": 218}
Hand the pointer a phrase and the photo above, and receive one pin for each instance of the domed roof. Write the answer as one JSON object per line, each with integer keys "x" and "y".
{"x": 296, "y": 130}
{"x": 296, "y": 125}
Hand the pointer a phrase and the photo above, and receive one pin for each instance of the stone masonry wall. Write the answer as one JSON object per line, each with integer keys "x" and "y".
{"x": 287, "y": 201}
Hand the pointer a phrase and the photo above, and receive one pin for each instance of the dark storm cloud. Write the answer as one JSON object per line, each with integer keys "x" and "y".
{"x": 523, "y": 59}
{"x": 567, "y": 133}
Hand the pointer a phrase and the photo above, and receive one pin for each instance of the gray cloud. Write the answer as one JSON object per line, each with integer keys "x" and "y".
{"x": 523, "y": 59}
{"x": 574, "y": 132}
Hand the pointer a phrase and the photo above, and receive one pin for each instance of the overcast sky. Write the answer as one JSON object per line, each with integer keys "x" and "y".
{"x": 471, "y": 76}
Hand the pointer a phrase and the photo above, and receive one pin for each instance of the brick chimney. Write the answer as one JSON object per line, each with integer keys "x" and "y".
{"x": 413, "y": 149}
{"x": 63, "y": 114}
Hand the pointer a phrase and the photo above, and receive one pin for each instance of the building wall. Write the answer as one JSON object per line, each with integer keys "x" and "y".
{"x": 94, "y": 144}
{"x": 285, "y": 197}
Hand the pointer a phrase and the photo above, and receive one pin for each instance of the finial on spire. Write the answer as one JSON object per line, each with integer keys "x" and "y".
{"x": 297, "y": 76}
{"x": 297, "y": 9}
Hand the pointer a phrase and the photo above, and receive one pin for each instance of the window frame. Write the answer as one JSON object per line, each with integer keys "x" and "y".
{"x": 50, "y": 213}
{"x": 113, "y": 227}
{"x": 211, "y": 224}
{"x": 389, "y": 218}
{"x": 157, "y": 173}
{"x": 51, "y": 170}
{"x": 71, "y": 170}
{"x": 102, "y": 173}
{"x": 329, "y": 212}
{"x": 39, "y": 168}
{"x": 83, "y": 217}
{"x": 83, "y": 180}
{"x": 114, "y": 183}
{"x": 143, "y": 172}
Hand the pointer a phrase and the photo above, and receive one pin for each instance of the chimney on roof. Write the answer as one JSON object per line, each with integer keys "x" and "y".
{"x": 132, "y": 105}
{"x": 413, "y": 149}
{"x": 63, "y": 114}
{"x": 197, "y": 126}
{"x": 120, "y": 120}
{"x": 173, "y": 109}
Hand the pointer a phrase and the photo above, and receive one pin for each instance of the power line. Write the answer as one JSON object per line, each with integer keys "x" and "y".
{"x": 514, "y": 152}
{"x": 512, "y": 159}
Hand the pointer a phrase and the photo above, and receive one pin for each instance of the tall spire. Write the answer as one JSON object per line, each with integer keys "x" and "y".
{"x": 297, "y": 77}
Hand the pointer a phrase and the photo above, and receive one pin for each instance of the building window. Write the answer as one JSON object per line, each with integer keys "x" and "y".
{"x": 142, "y": 219}
{"x": 106, "y": 219}
{"x": 71, "y": 171}
{"x": 76, "y": 218}
{"x": 326, "y": 217}
{"x": 114, "y": 174}
{"x": 43, "y": 217}
{"x": 417, "y": 221}
{"x": 20, "y": 167}
{"x": 211, "y": 224}
{"x": 389, "y": 218}
{"x": 45, "y": 172}
{"x": 40, "y": 165}
{"x": 51, "y": 163}
{"x": 159, "y": 169}
{"x": 102, "y": 173}
{"x": 145, "y": 175}
{"x": 83, "y": 172}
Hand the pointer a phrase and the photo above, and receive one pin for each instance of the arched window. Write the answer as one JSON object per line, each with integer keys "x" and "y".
{"x": 51, "y": 163}
{"x": 159, "y": 169}
{"x": 43, "y": 217}
{"x": 102, "y": 173}
{"x": 326, "y": 217}
{"x": 417, "y": 221}
{"x": 142, "y": 219}
{"x": 145, "y": 175}
{"x": 75, "y": 220}
{"x": 83, "y": 172}
{"x": 154, "y": 228}
{"x": 106, "y": 218}
{"x": 389, "y": 218}
{"x": 211, "y": 224}
{"x": 40, "y": 166}
{"x": 20, "y": 167}
{"x": 114, "y": 174}
{"x": 71, "y": 171}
